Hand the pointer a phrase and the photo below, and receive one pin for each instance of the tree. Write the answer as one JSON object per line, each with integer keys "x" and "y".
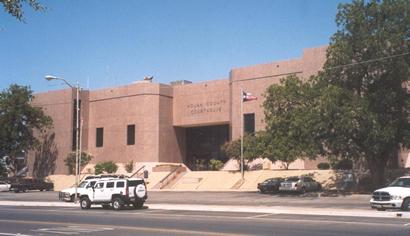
{"x": 18, "y": 121}
{"x": 289, "y": 121}
{"x": 364, "y": 102}
{"x": 251, "y": 147}
{"x": 15, "y": 7}
{"x": 71, "y": 158}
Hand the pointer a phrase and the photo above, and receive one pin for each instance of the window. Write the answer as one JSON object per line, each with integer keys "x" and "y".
{"x": 100, "y": 185}
{"x": 99, "y": 142}
{"x": 75, "y": 135}
{"x": 130, "y": 134}
{"x": 110, "y": 184}
{"x": 249, "y": 123}
{"x": 120, "y": 184}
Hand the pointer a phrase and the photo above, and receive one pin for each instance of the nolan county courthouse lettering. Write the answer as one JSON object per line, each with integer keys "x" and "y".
{"x": 150, "y": 122}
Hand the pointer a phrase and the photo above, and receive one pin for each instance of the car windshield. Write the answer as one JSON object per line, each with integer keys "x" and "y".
{"x": 83, "y": 184}
{"x": 403, "y": 182}
{"x": 292, "y": 179}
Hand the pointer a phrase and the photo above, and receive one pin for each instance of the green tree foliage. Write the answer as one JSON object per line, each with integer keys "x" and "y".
{"x": 18, "y": 121}
{"x": 253, "y": 147}
{"x": 71, "y": 158}
{"x": 108, "y": 166}
{"x": 289, "y": 121}
{"x": 15, "y": 7}
{"x": 364, "y": 99}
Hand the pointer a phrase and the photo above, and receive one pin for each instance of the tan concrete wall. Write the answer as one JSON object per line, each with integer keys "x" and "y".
{"x": 201, "y": 103}
{"x": 256, "y": 79}
{"x": 114, "y": 109}
{"x": 59, "y": 106}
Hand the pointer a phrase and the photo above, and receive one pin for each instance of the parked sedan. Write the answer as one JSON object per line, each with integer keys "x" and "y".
{"x": 4, "y": 187}
{"x": 270, "y": 185}
{"x": 300, "y": 184}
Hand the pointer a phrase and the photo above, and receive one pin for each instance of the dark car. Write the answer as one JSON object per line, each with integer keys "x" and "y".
{"x": 24, "y": 184}
{"x": 270, "y": 185}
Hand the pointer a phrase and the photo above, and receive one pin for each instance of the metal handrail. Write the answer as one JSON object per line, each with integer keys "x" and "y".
{"x": 136, "y": 172}
{"x": 168, "y": 175}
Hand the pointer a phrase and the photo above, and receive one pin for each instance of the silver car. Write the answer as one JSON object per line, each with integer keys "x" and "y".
{"x": 299, "y": 184}
{"x": 4, "y": 187}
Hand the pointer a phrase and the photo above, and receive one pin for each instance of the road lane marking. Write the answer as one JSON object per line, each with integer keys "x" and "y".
{"x": 18, "y": 234}
{"x": 407, "y": 225}
{"x": 260, "y": 216}
{"x": 72, "y": 229}
{"x": 130, "y": 228}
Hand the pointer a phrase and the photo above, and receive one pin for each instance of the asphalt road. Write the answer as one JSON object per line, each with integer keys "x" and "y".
{"x": 96, "y": 221}
{"x": 224, "y": 198}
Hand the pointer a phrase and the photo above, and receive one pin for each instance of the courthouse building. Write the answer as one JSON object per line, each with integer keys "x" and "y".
{"x": 151, "y": 122}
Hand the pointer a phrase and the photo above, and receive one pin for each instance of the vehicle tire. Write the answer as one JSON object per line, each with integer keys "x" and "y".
{"x": 41, "y": 190}
{"x": 72, "y": 198}
{"x": 85, "y": 203}
{"x": 262, "y": 191}
{"x": 319, "y": 188}
{"x": 405, "y": 206}
{"x": 302, "y": 190}
{"x": 106, "y": 206}
{"x": 117, "y": 203}
{"x": 138, "y": 205}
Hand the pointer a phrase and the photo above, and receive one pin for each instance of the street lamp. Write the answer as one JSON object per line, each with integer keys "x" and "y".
{"x": 77, "y": 144}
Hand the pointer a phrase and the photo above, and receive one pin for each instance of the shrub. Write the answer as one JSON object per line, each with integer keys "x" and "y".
{"x": 108, "y": 166}
{"x": 215, "y": 164}
{"x": 70, "y": 161}
{"x": 323, "y": 166}
{"x": 129, "y": 167}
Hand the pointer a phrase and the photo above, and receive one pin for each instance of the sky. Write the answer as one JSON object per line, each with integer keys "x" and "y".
{"x": 102, "y": 43}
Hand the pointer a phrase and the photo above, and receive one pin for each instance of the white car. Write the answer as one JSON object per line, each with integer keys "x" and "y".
{"x": 4, "y": 187}
{"x": 115, "y": 193}
{"x": 395, "y": 196}
{"x": 69, "y": 193}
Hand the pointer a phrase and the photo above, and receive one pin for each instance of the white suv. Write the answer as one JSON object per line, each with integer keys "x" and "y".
{"x": 115, "y": 192}
{"x": 89, "y": 182}
{"x": 396, "y": 195}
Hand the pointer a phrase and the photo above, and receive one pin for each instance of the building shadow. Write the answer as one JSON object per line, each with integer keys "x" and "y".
{"x": 45, "y": 157}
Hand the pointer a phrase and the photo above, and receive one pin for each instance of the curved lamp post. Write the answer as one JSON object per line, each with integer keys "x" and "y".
{"x": 77, "y": 145}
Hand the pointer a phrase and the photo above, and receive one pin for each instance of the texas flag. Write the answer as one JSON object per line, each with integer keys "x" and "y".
{"x": 248, "y": 97}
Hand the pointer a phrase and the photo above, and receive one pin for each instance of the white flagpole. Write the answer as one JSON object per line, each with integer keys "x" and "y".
{"x": 242, "y": 170}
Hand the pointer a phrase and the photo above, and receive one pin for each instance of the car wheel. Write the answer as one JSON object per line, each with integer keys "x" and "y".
{"x": 262, "y": 191}
{"x": 302, "y": 190}
{"x": 41, "y": 190}
{"x": 138, "y": 205}
{"x": 85, "y": 203}
{"x": 117, "y": 203}
{"x": 72, "y": 198}
{"x": 405, "y": 206}
{"x": 319, "y": 187}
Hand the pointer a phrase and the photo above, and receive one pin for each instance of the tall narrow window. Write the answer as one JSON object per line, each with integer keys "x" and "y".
{"x": 249, "y": 123}
{"x": 99, "y": 141}
{"x": 75, "y": 135}
{"x": 130, "y": 134}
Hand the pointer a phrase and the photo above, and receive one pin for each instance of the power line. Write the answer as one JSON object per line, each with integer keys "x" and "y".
{"x": 371, "y": 60}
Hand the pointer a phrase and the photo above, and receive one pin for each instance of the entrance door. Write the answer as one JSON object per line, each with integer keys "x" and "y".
{"x": 204, "y": 144}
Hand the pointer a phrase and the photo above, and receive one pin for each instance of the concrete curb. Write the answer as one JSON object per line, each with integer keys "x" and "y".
{"x": 248, "y": 209}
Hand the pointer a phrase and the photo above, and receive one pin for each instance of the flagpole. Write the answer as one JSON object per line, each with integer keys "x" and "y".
{"x": 242, "y": 169}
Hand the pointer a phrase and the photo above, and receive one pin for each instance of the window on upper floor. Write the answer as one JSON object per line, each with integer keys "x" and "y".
{"x": 99, "y": 140}
{"x": 130, "y": 134}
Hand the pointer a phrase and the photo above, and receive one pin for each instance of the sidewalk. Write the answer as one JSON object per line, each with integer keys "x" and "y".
{"x": 249, "y": 209}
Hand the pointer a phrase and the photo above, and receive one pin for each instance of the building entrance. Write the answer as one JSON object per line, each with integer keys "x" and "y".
{"x": 204, "y": 144}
